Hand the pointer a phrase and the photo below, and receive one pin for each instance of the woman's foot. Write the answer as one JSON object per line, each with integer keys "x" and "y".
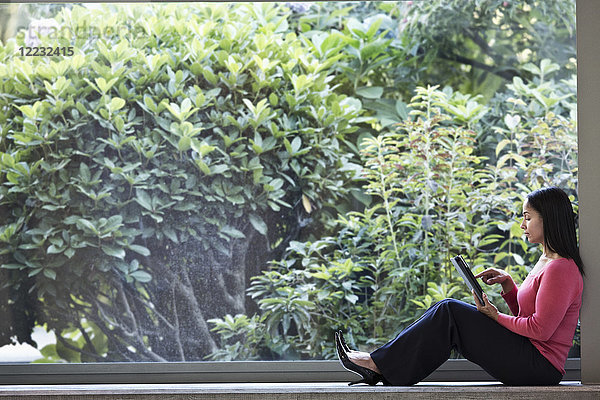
{"x": 357, "y": 357}
{"x": 367, "y": 375}
{"x": 364, "y": 360}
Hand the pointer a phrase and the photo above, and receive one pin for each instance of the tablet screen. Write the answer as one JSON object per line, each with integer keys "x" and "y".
{"x": 465, "y": 271}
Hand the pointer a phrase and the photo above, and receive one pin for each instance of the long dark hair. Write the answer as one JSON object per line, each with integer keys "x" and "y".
{"x": 558, "y": 219}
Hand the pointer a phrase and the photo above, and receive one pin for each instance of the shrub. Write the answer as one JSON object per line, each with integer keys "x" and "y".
{"x": 145, "y": 178}
{"x": 435, "y": 198}
{"x": 392, "y": 259}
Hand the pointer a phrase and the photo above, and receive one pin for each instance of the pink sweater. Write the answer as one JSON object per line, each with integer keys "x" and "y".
{"x": 546, "y": 308}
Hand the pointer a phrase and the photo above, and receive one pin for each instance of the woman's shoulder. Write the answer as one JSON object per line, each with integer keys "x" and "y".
{"x": 562, "y": 268}
{"x": 561, "y": 263}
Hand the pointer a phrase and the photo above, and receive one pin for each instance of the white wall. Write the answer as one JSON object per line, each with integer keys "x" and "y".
{"x": 588, "y": 100}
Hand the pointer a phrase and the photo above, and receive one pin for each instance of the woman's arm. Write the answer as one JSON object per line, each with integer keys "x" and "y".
{"x": 492, "y": 276}
{"x": 559, "y": 285}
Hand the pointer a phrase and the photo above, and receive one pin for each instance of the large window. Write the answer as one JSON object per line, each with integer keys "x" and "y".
{"x": 235, "y": 181}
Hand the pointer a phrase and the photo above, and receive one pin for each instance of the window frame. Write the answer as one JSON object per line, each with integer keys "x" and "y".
{"x": 584, "y": 369}
{"x": 224, "y": 372}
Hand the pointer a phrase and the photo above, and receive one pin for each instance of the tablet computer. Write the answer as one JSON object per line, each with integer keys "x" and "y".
{"x": 465, "y": 271}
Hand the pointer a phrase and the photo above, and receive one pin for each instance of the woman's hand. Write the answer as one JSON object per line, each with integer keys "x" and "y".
{"x": 488, "y": 308}
{"x": 492, "y": 276}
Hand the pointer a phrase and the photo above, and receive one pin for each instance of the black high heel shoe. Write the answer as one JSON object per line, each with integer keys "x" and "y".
{"x": 368, "y": 376}
{"x": 343, "y": 342}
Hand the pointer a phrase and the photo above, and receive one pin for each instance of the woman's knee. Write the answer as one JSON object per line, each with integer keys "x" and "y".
{"x": 453, "y": 306}
{"x": 451, "y": 303}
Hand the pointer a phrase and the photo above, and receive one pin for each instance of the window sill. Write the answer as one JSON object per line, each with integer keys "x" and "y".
{"x": 223, "y": 372}
{"x": 300, "y": 391}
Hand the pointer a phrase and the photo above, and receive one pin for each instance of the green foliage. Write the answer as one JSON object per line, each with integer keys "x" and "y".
{"x": 147, "y": 165}
{"x": 363, "y": 280}
{"x": 243, "y": 338}
{"x": 150, "y": 178}
{"x": 82, "y": 344}
{"x": 435, "y": 198}
{"x": 533, "y": 141}
{"x": 493, "y": 40}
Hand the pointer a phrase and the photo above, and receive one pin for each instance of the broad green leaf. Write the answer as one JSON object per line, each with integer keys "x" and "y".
{"x": 149, "y": 102}
{"x": 105, "y": 86}
{"x": 28, "y": 111}
{"x": 13, "y": 266}
{"x": 113, "y": 251}
{"x": 258, "y": 223}
{"x": 370, "y": 92}
{"x": 203, "y": 167}
{"x": 116, "y": 103}
{"x": 219, "y": 169}
{"x": 519, "y": 260}
{"x": 84, "y": 173}
{"x": 85, "y": 224}
{"x": 202, "y": 148}
{"x": 49, "y": 273}
{"x": 306, "y": 204}
{"x": 144, "y": 200}
{"x": 515, "y": 230}
{"x": 352, "y": 298}
{"x": 113, "y": 223}
{"x": 186, "y": 105}
{"x": 184, "y": 144}
{"x": 295, "y": 145}
{"x": 171, "y": 234}
{"x": 402, "y": 109}
{"x": 501, "y": 145}
{"x": 232, "y": 232}
{"x": 139, "y": 249}
{"x": 52, "y": 249}
{"x": 512, "y": 121}
{"x": 141, "y": 276}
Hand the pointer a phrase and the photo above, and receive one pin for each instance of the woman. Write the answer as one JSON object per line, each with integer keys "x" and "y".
{"x": 529, "y": 348}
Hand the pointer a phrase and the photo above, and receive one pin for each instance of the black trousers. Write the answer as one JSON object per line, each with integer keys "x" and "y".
{"x": 451, "y": 324}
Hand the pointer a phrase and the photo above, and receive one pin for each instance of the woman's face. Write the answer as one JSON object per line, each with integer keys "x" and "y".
{"x": 532, "y": 224}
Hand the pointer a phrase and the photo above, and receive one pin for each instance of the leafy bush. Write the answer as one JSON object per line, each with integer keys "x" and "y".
{"x": 148, "y": 176}
{"x": 437, "y": 198}
{"x": 388, "y": 261}
{"x": 479, "y": 46}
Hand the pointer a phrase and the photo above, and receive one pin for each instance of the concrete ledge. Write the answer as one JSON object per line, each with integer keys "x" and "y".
{"x": 223, "y": 372}
{"x": 299, "y": 391}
